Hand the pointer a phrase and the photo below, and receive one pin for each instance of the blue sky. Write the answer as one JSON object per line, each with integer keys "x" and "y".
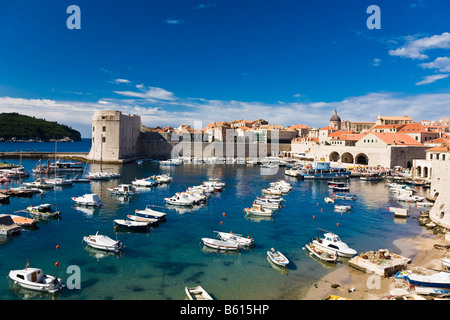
{"x": 194, "y": 62}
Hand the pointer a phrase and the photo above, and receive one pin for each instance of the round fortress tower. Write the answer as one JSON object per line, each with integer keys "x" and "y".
{"x": 114, "y": 136}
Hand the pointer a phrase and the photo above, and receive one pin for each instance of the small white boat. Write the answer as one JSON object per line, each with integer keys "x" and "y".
{"x": 179, "y": 200}
{"x": 272, "y": 191}
{"x": 220, "y": 244}
{"x": 132, "y": 225}
{"x": 197, "y": 293}
{"x": 144, "y": 182}
{"x": 164, "y": 178}
{"x": 332, "y": 242}
{"x": 342, "y": 207}
{"x": 90, "y": 199}
{"x": 411, "y": 198}
{"x": 424, "y": 204}
{"x": 39, "y": 183}
{"x": 399, "y": 212}
{"x": 239, "y": 239}
{"x": 329, "y": 200}
{"x": 98, "y": 176}
{"x": 35, "y": 279}
{"x": 103, "y": 242}
{"x": 27, "y": 188}
{"x": 122, "y": 189}
{"x": 278, "y": 258}
{"x": 148, "y": 212}
{"x": 60, "y": 182}
{"x": 257, "y": 209}
{"x": 321, "y": 253}
{"x": 142, "y": 219}
{"x": 437, "y": 280}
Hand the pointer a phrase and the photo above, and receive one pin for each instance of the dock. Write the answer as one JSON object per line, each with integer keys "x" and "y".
{"x": 381, "y": 262}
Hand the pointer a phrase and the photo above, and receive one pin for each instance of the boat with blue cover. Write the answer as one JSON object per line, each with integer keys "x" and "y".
{"x": 324, "y": 170}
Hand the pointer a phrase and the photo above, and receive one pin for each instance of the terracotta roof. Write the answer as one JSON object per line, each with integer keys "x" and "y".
{"x": 388, "y": 126}
{"x": 442, "y": 148}
{"x": 329, "y": 128}
{"x": 339, "y": 133}
{"x": 396, "y": 138}
{"x": 298, "y": 126}
{"x": 350, "y": 136}
{"x": 415, "y": 128}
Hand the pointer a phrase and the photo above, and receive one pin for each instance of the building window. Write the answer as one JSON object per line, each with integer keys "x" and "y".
{"x": 103, "y": 128}
{"x": 103, "y": 139}
{"x": 92, "y": 139}
{"x": 93, "y": 128}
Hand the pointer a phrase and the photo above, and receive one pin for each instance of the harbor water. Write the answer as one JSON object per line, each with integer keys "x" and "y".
{"x": 159, "y": 264}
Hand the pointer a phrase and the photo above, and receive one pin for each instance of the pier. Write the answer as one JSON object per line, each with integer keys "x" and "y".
{"x": 75, "y": 156}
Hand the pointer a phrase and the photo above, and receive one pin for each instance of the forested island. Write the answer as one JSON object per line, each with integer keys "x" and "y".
{"x": 17, "y": 127}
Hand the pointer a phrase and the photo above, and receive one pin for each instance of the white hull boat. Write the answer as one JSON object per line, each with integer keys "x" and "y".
{"x": 329, "y": 200}
{"x": 220, "y": 244}
{"x": 103, "y": 242}
{"x": 164, "y": 178}
{"x": 123, "y": 190}
{"x": 332, "y": 242}
{"x": 142, "y": 219}
{"x": 39, "y": 183}
{"x": 179, "y": 201}
{"x": 132, "y": 225}
{"x": 148, "y": 212}
{"x": 342, "y": 207}
{"x": 237, "y": 238}
{"x": 277, "y": 258}
{"x": 256, "y": 209}
{"x": 437, "y": 280}
{"x": 35, "y": 279}
{"x": 197, "y": 293}
{"x": 91, "y": 199}
{"x": 144, "y": 182}
{"x": 321, "y": 253}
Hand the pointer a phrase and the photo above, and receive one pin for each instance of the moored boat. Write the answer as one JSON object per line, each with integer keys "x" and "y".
{"x": 437, "y": 280}
{"x": 323, "y": 170}
{"x": 237, "y": 238}
{"x": 277, "y": 258}
{"x": 332, "y": 242}
{"x": 90, "y": 199}
{"x": 132, "y": 225}
{"x": 321, "y": 253}
{"x": 197, "y": 293}
{"x": 35, "y": 279}
{"x": 102, "y": 242}
{"x": 148, "y": 212}
{"x": 24, "y": 221}
{"x": 257, "y": 209}
{"x": 341, "y": 207}
{"x": 44, "y": 211}
{"x": 220, "y": 244}
{"x": 122, "y": 189}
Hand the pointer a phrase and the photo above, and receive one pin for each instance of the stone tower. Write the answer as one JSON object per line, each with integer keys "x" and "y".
{"x": 114, "y": 136}
{"x": 335, "y": 121}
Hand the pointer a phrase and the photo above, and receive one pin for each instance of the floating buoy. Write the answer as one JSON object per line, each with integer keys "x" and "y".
{"x": 56, "y": 264}
{"x": 342, "y": 213}
{"x": 321, "y": 210}
{"x": 317, "y": 203}
{"x": 223, "y": 214}
{"x": 221, "y": 222}
{"x": 231, "y": 232}
{"x": 57, "y": 247}
{"x": 337, "y": 224}
{"x": 314, "y": 217}
{"x": 248, "y": 237}
{"x": 115, "y": 227}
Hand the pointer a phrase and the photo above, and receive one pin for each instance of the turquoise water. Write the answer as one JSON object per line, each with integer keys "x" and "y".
{"x": 159, "y": 264}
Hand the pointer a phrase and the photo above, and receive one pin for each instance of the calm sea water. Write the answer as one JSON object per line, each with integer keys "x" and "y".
{"x": 159, "y": 264}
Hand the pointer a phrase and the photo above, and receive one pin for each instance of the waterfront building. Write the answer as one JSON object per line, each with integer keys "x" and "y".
{"x": 393, "y": 120}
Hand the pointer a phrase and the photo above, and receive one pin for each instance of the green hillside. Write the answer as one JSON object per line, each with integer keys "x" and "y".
{"x": 21, "y": 127}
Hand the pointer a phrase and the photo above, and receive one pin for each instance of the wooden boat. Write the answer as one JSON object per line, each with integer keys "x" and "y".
{"x": 103, "y": 242}
{"x": 44, "y": 211}
{"x": 220, "y": 244}
{"x": 24, "y": 221}
{"x": 197, "y": 293}
{"x": 277, "y": 258}
{"x": 35, "y": 279}
{"x": 321, "y": 253}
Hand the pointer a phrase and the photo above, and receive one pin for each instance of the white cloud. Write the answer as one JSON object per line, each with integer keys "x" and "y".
{"x": 149, "y": 93}
{"x": 376, "y": 62}
{"x": 173, "y": 21}
{"x": 204, "y": 6}
{"x": 432, "y": 78}
{"x": 414, "y": 48}
{"x": 121, "y": 81}
{"x": 441, "y": 63}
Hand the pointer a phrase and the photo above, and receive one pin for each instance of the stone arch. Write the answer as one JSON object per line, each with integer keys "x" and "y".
{"x": 419, "y": 171}
{"x": 362, "y": 158}
{"x": 347, "y": 157}
{"x": 425, "y": 172}
{"x": 334, "y": 156}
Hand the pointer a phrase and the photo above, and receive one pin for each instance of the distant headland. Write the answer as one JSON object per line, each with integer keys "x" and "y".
{"x": 17, "y": 127}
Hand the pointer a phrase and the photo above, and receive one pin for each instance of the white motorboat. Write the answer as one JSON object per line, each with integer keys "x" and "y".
{"x": 332, "y": 242}
{"x": 39, "y": 183}
{"x": 179, "y": 200}
{"x": 220, "y": 244}
{"x": 411, "y": 198}
{"x": 342, "y": 207}
{"x": 293, "y": 172}
{"x": 278, "y": 258}
{"x": 122, "y": 189}
{"x": 44, "y": 211}
{"x": 90, "y": 199}
{"x": 60, "y": 182}
{"x": 27, "y": 188}
{"x": 272, "y": 191}
{"x": 239, "y": 239}
{"x": 98, "y": 176}
{"x": 329, "y": 200}
{"x": 197, "y": 293}
{"x": 144, "y": 182}
{"x": 132, "y": 225}
{"x": 35, "y": 279}
{"x": 142, "y": 219}
{"x": 164, "y": 178}
{"x": 268, "y": 203}
{"x": 257, "y": 209}
{"x": 437, "y": 280}
{"x": 103, "y": 242}
{"x": 148, "y": 212}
